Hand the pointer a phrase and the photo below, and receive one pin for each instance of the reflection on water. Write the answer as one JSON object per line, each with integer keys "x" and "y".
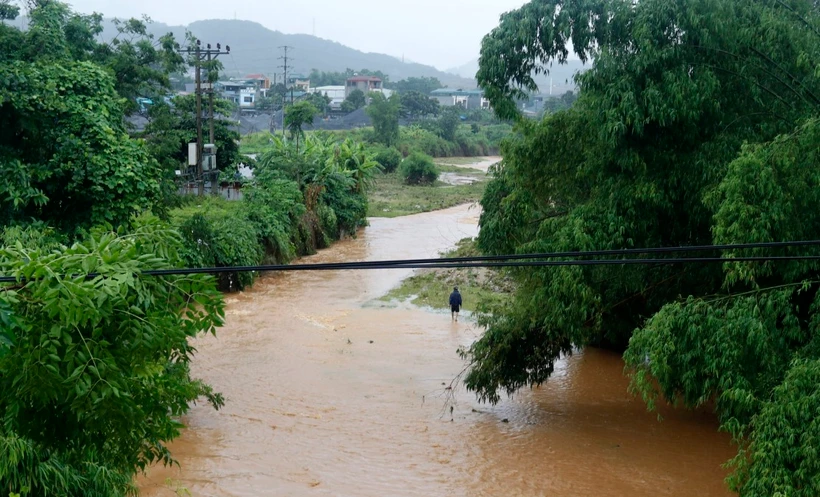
{"x": 330, "y": 393}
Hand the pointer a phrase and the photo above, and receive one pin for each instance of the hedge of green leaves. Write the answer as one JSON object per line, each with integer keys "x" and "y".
{"x": 300, "y": 200}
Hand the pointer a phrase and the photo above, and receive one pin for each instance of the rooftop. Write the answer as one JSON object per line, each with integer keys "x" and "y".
{"x": 256, "y": 76}
{"x": 234, "y": 83}
{"x": 449, "y": 92}
{"x": 364, "y": 78}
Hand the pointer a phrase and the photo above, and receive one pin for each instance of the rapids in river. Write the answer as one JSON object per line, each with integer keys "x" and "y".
{"x": 331, "y": 392}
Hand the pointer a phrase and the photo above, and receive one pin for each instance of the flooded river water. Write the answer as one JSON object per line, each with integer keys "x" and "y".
{"x": 333, "y": 393}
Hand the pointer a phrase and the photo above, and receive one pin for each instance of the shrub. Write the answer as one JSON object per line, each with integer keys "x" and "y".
{"x": 217, "y": 233}
{"x": 418, "y": 169}
{"x": 349, "y": 206}
{"x": 94, "y": 372}
{"x": 388, "y": 157}
{"x": 274, "y": 205}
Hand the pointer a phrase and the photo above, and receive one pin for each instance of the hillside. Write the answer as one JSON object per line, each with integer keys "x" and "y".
{"x": 254, "y": 49}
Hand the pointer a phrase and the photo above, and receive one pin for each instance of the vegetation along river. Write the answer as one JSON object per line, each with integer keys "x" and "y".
{"x": 330, "y": 392}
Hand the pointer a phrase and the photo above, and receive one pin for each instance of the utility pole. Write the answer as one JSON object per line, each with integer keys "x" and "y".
{"x": 214, "y": 174}
{"x": 199, "y": 178}
{"x": 199, "y": 55}
{"x": 284, "y": 67}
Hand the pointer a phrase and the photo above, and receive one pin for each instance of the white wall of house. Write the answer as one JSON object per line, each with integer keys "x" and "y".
{"x": 247, "y": 98}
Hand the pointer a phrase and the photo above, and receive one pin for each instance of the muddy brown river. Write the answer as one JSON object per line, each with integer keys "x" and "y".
{"x": 331, "y": 392}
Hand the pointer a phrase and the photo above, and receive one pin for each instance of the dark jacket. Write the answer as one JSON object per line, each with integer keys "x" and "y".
{"x": 455, "y": 299}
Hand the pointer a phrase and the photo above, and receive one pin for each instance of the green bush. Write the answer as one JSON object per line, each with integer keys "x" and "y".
{"x": 218, "y": 233}
{"x": 418, "y": 169}
{"x": 299, "y": 200}
{"x": 274, "y": 205}
{"x": 95, "y": 371}
{"x": 349, "y": 206}
{"x": 388, "y": 157}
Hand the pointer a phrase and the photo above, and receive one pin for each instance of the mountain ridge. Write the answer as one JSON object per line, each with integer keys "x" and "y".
{"x": 254, "y": 49}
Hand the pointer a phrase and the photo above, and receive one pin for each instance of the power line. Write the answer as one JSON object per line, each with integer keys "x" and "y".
{"x": 521, "y": 260}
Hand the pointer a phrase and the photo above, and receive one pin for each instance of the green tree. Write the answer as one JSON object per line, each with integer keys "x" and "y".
{"x": 173, "y": 126}
{"x": 94, "y": 372}
{"x": 652, "y": 154}
{"x": 423, "y": 85}
{"x": 448, "y": 122}
{"x": 138, "y": 62}
{"x": 297, "y": 116}
{"x": 8, "y": 11}
{"x": 320, "y": 102}
{"x": 358, "y": 162}
{"x": 65, "y": 157}
{"x": 266, "y": 103}
{"x": 356, "y": 100}
{"x": 384, "y": 112}
{"x": 94, "y": 358}
{"x": 415, "y": 104}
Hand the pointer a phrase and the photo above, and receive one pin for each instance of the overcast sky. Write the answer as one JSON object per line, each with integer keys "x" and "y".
{"x": 443, "y": 33}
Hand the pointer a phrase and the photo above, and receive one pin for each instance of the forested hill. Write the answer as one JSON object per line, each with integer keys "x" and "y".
{"x": 254, "y": 49}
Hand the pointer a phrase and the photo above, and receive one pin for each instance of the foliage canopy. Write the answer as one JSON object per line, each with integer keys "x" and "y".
{"x": 652, "y": 154}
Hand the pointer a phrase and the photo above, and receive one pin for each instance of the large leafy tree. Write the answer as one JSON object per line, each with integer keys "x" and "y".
{"x": 423, "y": 85}
{"x": 94, "y": 371}
{"x": 356, "y": 100}
{"x": 652, "y": 154}
{"x": 297, "y": 116}
{"x": 173, "y": 126}
{"x": 320, "y": 102}
{"x": 8, "y": 10}
{"x": 93, "y": 357}
{"x": 384, "y": 112}
{"x": 138, "y": 62}
{"x": 449, "y": 121}
{"x": 415, "y": 104}
{"x": 64, "y": 154}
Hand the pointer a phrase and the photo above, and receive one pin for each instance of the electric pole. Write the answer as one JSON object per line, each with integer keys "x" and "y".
{"x": 284, "y": 67}
{"x": 199, "y": 55}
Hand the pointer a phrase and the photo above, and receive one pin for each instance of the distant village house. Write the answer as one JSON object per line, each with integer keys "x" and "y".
{"x": 364, "y": 83}
{"x": 469, "y": 99}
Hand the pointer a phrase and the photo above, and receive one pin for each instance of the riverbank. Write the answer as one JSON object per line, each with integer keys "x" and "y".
{"x": 462, "y": 181}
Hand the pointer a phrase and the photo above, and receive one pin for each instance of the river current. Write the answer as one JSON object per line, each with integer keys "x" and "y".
{"x": 331, "y": 392}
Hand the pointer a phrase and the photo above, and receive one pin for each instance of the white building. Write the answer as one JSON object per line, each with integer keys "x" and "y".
{"x": 247, "y": 97}
{"x": 335, "y": 93}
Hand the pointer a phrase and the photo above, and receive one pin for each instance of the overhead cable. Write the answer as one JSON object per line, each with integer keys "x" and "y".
{"x": 511, "y": 260}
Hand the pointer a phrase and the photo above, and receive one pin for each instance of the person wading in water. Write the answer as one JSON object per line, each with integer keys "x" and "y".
{"x": 455, "y": 303}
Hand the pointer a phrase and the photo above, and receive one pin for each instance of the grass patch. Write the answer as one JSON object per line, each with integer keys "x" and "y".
{"x": 390, "y": 197}
{"x": 432, "y": 287}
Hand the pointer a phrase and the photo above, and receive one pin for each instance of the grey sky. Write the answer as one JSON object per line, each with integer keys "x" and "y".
{"x": 443, "y": 33}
